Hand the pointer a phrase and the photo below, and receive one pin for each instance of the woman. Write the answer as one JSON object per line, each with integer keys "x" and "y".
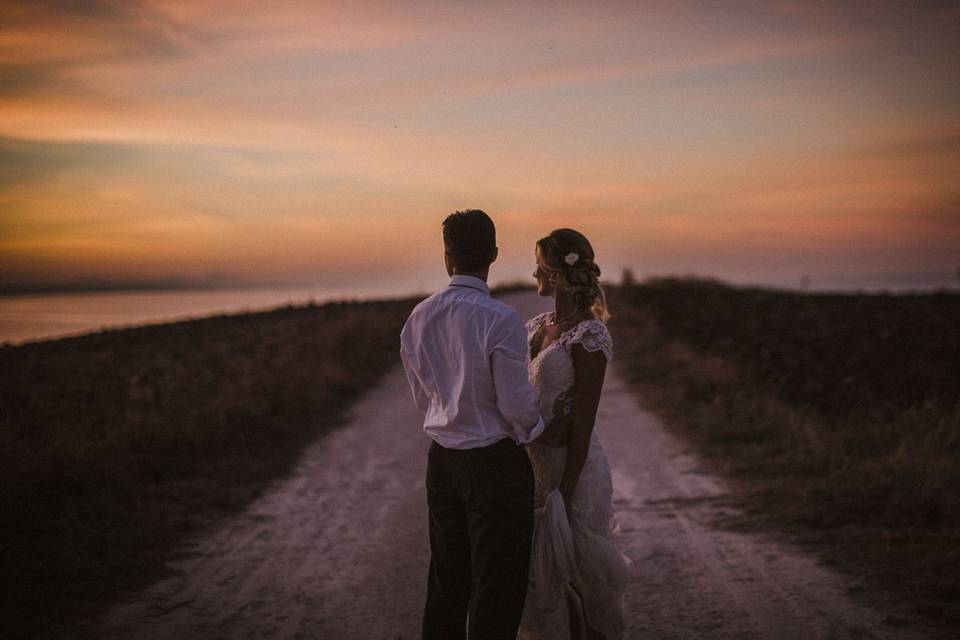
{"x": 577, "y": 575}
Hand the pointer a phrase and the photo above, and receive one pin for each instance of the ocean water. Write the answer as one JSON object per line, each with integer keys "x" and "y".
{"x": 25, "y": 318}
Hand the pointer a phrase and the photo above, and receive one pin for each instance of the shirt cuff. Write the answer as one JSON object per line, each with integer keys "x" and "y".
{"x": 534, "y": 433}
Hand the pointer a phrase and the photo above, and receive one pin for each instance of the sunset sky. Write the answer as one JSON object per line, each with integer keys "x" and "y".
{"x": 323, "y": 143}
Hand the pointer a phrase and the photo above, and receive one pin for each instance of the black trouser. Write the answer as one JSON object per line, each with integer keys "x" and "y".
{"x": 481, "y": 523}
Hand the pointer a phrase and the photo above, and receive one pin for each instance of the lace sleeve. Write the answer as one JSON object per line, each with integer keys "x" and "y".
{"x": 593, "y": 335}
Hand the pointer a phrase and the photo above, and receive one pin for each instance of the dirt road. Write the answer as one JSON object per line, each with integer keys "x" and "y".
{"x": 338, "y": 551}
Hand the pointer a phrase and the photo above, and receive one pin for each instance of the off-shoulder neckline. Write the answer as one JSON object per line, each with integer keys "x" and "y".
{"x": 559, "y": 337}
{"x": 551, "y": 313}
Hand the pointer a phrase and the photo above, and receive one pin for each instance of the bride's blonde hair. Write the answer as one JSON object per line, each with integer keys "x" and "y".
{"x": 568, "y": 259}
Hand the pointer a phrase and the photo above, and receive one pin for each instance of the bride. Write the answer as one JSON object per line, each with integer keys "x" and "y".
{"x": 577, "y": 575}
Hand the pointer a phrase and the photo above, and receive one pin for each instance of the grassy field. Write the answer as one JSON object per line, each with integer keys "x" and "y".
{"x": 837, "y": 415}
{"x": 117, "y": 444}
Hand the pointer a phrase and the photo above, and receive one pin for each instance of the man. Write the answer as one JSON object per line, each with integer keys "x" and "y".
{"x": 465, "y": 357}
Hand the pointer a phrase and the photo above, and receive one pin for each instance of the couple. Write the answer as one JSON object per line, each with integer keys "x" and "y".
{"x": 518, "y": 484}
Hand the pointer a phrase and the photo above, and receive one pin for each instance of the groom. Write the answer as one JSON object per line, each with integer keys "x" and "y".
{"x": 465, "y": 358}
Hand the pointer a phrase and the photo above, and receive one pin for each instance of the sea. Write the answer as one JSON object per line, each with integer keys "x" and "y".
{"x": 43, "y": 316}
{"x": 32, "y": 317}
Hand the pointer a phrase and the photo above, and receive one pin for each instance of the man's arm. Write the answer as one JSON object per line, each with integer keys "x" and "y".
{"x": 419, "y": 395}
{"x": 516, "y": 399}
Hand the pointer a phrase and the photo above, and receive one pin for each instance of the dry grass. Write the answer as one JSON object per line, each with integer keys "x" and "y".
{"x": 838, "y": 415}
{"x": 117, "y": 444}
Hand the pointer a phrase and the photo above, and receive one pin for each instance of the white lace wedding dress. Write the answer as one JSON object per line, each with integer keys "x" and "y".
{"x": 578, "y": 550}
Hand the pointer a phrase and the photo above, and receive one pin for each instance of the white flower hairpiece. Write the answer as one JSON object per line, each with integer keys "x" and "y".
{"x": 571, "y": 259}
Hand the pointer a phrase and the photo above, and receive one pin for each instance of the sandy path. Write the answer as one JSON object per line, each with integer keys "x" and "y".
{"x": 338, "y": 551}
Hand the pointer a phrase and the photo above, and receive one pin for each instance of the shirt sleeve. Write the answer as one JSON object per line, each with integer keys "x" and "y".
{"x": 420, "y": 397}
{"x": 516, "y": 399}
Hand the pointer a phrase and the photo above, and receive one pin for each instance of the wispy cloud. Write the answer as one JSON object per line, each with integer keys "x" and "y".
{"x": 261, "y": 139}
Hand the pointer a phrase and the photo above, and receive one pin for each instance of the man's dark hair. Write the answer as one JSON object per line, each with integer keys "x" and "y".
{"x": 470, "y": 237}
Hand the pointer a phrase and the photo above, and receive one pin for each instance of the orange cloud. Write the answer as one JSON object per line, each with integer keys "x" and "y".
{"x": 288, "y": 140}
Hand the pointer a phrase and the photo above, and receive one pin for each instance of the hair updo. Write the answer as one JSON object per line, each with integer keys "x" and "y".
{"x": 568, "y": 259}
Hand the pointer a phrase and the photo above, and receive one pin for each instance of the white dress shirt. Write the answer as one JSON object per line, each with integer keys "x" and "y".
{"x": 465, "y": 355}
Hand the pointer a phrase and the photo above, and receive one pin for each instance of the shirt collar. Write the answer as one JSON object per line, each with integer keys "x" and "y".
{"x": 469, "y": 281}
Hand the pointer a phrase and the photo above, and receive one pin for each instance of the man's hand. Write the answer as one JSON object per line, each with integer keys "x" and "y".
{"x": 557, "y": 431}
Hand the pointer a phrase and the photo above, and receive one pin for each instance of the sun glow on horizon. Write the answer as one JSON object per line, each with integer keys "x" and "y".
{"x": 761, "y": 142}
